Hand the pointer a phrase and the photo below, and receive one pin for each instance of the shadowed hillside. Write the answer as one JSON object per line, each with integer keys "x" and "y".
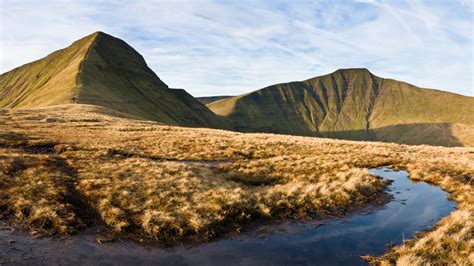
{"x": 102, "y": 70}
{"x": 210, "y": 99}
{"x": 436, "y": 134}
{"x": 354, "y": 104}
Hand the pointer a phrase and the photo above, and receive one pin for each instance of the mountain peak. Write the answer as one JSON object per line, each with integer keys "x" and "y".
{"x": 97, "y": 34}
{"x": 115, "y": 51}
{"x": 102, "y": 38}
{"x": 103, "y": 35}
{"x": 352, "y": 104}
{"x": 100, "y": 69}
{"x": 353, "y": 70}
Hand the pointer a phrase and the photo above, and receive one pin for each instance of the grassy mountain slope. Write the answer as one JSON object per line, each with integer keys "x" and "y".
{"x": 103, "y": 70}
{"x": 354, "y": 104}
{"x": 48, "y": 81}
{"x": 210, "y": 99}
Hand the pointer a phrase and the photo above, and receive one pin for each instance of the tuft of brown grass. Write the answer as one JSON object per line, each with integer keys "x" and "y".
{"x": 68, "y": 167}
{"x": 37, "y": 191}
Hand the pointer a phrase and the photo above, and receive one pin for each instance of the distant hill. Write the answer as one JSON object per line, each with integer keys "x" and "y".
{"x": 102, "y": 70}
{"x": 357, "y": 105}
{"x": 210, "y": 99}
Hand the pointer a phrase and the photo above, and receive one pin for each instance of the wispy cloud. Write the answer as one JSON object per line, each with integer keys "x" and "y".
{"x": 231, "y": 47}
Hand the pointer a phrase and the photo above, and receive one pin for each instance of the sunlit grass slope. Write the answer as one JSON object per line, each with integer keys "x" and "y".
{"x": 354, "y": 104}
{"x": 210, "y": 99}
{"x": 69, "y": 167}
{"x": 48, "y": 81}
{"x": 102, "y": 70}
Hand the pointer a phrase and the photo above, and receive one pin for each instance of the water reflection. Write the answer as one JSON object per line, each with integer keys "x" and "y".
{"x": 415, "y": 207}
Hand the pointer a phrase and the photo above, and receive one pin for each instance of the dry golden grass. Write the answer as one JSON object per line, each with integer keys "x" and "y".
{"x": 67, "y": 167}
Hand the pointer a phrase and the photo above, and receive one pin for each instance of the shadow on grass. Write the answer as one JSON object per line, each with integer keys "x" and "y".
{"x": 434, "y": 134}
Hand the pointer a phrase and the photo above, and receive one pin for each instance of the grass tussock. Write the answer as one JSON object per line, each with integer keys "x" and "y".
{"x": 75, "y": 167}
{"x": 37, "y": 191}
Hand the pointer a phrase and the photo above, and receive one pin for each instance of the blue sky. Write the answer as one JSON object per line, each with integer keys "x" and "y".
{"x": 233, "y": 47}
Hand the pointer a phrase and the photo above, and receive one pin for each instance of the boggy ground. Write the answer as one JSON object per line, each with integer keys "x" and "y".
{"x": 66, "y": 168}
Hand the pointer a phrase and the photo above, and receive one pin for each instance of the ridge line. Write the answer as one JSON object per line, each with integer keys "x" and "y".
{"x": 75, "y": 93}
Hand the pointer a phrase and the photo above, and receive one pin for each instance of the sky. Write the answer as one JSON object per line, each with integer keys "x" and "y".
{"x": 233, "y": 47}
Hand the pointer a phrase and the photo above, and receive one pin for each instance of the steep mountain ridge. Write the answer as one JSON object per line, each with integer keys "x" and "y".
{"x": 102, "y": 70}
{"x": 47, "y": 81}
{"x": 354, "y": 104}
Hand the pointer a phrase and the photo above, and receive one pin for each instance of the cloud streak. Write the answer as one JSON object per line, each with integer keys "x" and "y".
{"x": 232, "y": 47}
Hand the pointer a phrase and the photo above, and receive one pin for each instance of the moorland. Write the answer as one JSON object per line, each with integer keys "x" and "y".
{"x": 70, "y": 167}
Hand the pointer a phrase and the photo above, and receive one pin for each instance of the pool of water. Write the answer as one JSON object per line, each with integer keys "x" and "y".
{"x": 414, "y": 207}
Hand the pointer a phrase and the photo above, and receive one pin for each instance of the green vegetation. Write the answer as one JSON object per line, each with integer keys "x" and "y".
{"x": 48, "y": 81}
{"x": 69, "y": 167}
{"x": 103, "y": 70}
{"x": 354, "y": 104}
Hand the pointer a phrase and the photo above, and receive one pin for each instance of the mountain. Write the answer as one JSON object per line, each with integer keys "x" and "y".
{"x": 357, "y": 105}
{"x": 102, "y": 70}
{"x": 210, "y": 99}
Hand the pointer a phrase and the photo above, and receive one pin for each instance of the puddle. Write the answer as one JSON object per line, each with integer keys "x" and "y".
{"x": 415, "y": 207}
